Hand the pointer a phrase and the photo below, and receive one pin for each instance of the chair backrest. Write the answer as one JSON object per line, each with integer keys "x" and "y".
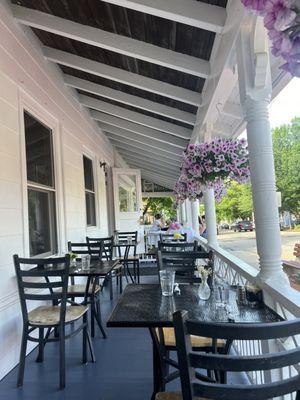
{"x": 175, "y": 246}
{"x": 189, "y": 360}
{"x": 93, "y": 249}
{"x": 183, "y": 263}
{"x": 47, "y": 280}
{"x": 170, "y": 237}
{"x": 104, "y": 245}
{"x": 123, "y": 236}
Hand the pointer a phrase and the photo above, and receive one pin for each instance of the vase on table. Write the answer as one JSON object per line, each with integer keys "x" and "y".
{"x": 204, "y": 291}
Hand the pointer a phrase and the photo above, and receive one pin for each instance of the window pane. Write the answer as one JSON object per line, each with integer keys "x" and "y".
{"x": 127, "y": 193}
{"x": 42, "y": 227}
{"x": 38, "y": 151}
{"x": 90, "y": 208}
{"x": 88, "y": 173}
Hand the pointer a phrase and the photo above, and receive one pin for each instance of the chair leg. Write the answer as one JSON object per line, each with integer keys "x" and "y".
{"x": 62, "y": 363}
{"x": 97, "y": 315}
{"x": 111, "y": 294}
{"x": 92, "y": 317}
{"x": 90, "y": 344}
{"x": 40, "y": 357}
{"x": 138, "y": 270}
{"x": 121, "y": 279}
{"x": 84, "y": 339}
{"x": 22, "y": 357}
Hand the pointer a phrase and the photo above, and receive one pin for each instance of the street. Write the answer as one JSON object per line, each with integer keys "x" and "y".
{"x": 243, "y": 245}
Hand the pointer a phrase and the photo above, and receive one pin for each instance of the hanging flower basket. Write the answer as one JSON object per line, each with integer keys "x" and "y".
{"x": 282, "y": 20}
{"x": 211, "y": 165}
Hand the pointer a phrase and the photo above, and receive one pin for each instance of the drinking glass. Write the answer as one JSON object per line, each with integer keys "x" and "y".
{"x": 129, "y": 239}
{"x": 167, "y": 279}
{"x": 221, "y": 296}
{"x": 85, "y": 261}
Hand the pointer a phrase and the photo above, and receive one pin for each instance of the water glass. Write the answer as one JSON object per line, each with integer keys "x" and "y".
{"x": 129, "y": 239}
{"x": 85, "y": 261}
{"x": 167, "y": 279}
{"x": 221, "y": 296}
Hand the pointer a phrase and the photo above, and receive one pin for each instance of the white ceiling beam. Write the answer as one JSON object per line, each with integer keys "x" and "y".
{"x": 107, "y": 122}
{"x": 112, "y": 42}
{"x": 218, "y": 88}
{"x": 156, "y": 170}
{"x": 122, "y": 76}
{"x": 233, "y": 110}
{"x": 167, "y": 162}
{"x": 134, "y": 101}
{"x": 119, "y": 132}
{"x": 167, "y": 182}
{"x": 148, "y": 151}
{"x": 135, "y": 117}
{"x": 154, "y": 164}
{"x": 189, "y": 12}
{"x": 156, "y": 152}
{"x": 157, "y": 194}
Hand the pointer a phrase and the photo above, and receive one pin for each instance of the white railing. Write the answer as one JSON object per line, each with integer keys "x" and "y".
{"x": 279, "y": 296}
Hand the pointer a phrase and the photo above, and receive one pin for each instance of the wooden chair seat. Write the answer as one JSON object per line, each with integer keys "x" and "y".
{"x": 173, "y": 396}
{"x": 197, "y": 341}
{"x": 79, "y": 289}
{"x": 47, "y": 315}
{"x": 129, "y": 258}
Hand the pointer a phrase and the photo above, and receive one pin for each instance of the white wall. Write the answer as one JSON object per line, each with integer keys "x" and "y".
{"x": 28, "y": 81}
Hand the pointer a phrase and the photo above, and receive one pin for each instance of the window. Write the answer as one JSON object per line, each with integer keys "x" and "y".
{"x": 40, "y": 188}
{"x": 127, "y": 193}
{"x": 89, "y": 191}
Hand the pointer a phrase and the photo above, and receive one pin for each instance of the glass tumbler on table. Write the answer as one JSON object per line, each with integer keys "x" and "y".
{"x": 85, "y": 261}
{"x": 167, "y": 279}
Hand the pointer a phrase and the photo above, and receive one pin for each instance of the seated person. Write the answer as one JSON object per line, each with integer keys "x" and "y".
{"x": 202, "y": 226}
{"x": 158, "y": 223}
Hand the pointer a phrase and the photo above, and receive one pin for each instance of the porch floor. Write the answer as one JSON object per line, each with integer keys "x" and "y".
{"x": 123, "y": 369}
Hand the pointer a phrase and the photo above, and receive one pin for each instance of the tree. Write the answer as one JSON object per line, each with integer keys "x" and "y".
{"x": 237, "y": 204}
{"x": 160, "y": 205}
{"x": 286, "y": 146}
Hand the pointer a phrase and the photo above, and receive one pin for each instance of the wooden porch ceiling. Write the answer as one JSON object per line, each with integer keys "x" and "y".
{"x": 139, "y": 68}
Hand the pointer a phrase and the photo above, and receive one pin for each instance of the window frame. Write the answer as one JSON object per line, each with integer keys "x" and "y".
{"x": 29, "y": 105}
{"x": 86, "y": 154}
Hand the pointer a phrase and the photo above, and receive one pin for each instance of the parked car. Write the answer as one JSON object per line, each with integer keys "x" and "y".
{"x": 224, "y": 226}
{"x": 243, "y": 226}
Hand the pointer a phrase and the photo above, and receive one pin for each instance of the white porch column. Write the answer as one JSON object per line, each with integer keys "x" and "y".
{"x": 195, "y": 215}
{"x": 210, "y": 217}
{"x": 268, "y": 238}
{"x": 255, "y": 92}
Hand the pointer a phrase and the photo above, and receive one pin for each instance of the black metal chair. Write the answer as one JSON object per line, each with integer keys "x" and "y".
{"x": 41, "y": 283}
{"x": 92, "y": 294}
{"x": 183, "y": 264}
{"x": 177, "y": 247}
{"x": 170, "y": 238}
{"x": 129, "y": 257}
{"x": 189, "y": 360}
{"x": 105, "y": 247}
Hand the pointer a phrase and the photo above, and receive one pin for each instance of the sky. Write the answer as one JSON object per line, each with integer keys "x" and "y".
{"x": 286, "y": 105}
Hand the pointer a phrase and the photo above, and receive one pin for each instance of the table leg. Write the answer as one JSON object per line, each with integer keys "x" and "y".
{"x": 158, "y": 381}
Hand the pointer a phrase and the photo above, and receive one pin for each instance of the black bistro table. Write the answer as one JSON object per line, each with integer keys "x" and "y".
{"x": 144, "y": 306}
